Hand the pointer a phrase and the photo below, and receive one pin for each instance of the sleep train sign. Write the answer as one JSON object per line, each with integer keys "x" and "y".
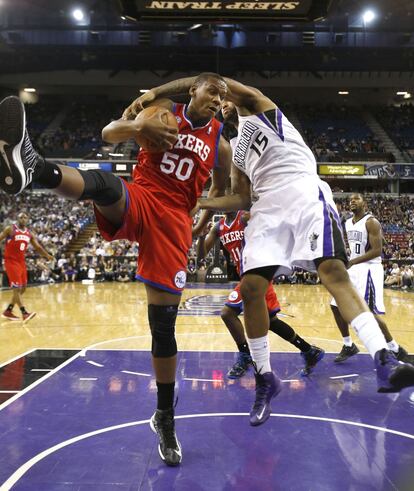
{"x": 225, "y": 10}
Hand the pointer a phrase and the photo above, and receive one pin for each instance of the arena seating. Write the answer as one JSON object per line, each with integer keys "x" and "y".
{"x": 336, "y": 133}
{"x": 399, "y": 123}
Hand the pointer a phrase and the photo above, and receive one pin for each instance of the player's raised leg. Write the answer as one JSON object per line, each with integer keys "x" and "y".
{"x": 20, "y": 164}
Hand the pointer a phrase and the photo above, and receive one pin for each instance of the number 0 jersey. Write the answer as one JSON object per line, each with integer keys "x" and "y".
{"x": 232, "y": 237}
{"x": 270, "y": 151}
{"x": 16, "y": 245}
{"x": 177, "y": 177}
{"x": 358, "y": 239}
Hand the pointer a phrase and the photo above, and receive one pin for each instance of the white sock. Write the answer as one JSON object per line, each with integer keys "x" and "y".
{"x": 369, "y": 332}
{"x": 260, "y": 351}
{"x": 348, "y": 341}
{"x": 393, "y": 346}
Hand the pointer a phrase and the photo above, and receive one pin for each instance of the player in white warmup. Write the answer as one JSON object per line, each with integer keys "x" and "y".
{"x": 294, "y": 222}
{"x": 365, "y": 269}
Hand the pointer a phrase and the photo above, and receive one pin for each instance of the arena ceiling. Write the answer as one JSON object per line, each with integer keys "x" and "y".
{"x": 42, "y": 36}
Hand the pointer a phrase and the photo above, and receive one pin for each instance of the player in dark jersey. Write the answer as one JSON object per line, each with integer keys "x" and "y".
{"x": 153, "y": 210}
{"x": 230, "y": 231}
{"x": 18, "y": 237}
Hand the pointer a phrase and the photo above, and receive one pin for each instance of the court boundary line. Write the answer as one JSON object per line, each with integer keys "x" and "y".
{"x": 142, "y": 336}
{"x": 37, "y": 382}
{"x": 21, "y": 471}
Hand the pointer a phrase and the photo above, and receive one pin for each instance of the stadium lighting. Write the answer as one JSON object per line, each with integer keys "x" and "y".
{"x": 402, "y": 92}
{"x": 368, "y": 16}
{"x": 194, "y": 26}
{"x": 78, "y": 14}
{"x": 29, "y": 89}
{"x": 343, "y": 92}
{"x": 407, "y": 95}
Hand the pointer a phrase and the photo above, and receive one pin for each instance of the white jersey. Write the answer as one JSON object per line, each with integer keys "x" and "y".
{"x": 270, "y": 151}
{"x": 357, "y": 235}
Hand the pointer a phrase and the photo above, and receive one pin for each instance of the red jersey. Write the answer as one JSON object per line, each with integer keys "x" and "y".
{"x": 16, "y": 245}
{"x": 177, "y": 177}
{"x": 232, "y": 237}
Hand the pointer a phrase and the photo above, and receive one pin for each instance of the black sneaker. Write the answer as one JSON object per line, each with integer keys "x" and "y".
{"x": 346, "y": 352}
{"x": 402, "y": 355}
{"x": 392, "y": 375}
{"x": 243, "y": 362}
{"x": 169, "y": 448}
{"x": 17, "y": 157}
{"x": 268, "y": 386}
{"x": 311, "y": 358}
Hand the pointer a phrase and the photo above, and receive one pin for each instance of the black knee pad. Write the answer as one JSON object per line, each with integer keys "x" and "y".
{"x": 102, "y": 187}
{"x": 162, "y": 324}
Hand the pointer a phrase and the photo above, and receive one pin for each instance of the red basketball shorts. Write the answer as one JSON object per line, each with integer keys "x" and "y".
{"x": 235, "y": 301}
{"x": 16, "y": 273}
{"x": 163, "y": 235}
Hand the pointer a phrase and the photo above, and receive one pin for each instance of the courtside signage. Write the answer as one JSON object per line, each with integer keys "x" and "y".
{"x": 341, "y": 170}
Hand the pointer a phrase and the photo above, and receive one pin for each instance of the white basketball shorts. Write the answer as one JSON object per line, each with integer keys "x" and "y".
{"x": 293, "y": 226}
{"x": 368, "y": 279}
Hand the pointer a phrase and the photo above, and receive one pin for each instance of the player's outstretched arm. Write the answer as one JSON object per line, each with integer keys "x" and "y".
{"x": 169, "y": 89}
{"x": 248, "y": 100}
{"x": 158, "y": 96}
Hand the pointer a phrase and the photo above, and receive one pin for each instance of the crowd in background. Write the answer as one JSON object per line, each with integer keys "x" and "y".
{"x": 61, "y": 127}
{"x": 57, "y": 222}
{"x": 399, "y": 123}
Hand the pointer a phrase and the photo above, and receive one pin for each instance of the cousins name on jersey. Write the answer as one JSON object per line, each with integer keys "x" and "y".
{"x": 243, "y": 144}
{"x": 194, "y": 144}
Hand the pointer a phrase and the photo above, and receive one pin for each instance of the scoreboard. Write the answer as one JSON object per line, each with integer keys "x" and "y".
{"x": 227, "y": 10}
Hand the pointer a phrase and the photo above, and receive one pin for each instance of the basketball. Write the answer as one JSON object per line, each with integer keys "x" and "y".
{"x": 149, "y": 112}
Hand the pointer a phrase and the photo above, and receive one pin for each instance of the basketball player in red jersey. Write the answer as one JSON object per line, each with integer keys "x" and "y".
{"x": 153, "y": 210}
{"x": 230, "y": 231}
{"x": 18, "y": 238}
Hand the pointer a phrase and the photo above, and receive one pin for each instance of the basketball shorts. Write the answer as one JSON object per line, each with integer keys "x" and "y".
{"x": 368, "y": 279}
{"x": 163, "y": 235}
{"x": 235, "y": 301}
{"x": 16, "y": 273}
{"x": 293, "y": 226}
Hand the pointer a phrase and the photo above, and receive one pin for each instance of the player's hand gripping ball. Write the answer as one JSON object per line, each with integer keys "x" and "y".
{"x": 159, "y": 129}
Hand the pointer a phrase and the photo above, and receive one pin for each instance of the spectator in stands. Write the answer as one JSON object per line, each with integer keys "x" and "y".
{"x": 407, "y": 275}
{"x": 394, "y": 278}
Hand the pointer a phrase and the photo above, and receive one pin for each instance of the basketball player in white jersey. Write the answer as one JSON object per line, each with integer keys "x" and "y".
{"x": 294, "y": 222}
{"x": 365, "y": 269}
